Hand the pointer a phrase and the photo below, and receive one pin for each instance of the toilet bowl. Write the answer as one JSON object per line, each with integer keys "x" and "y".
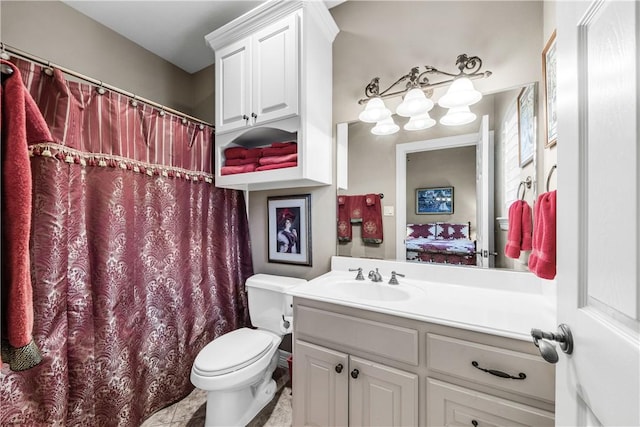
{"x": 236, "y": 369}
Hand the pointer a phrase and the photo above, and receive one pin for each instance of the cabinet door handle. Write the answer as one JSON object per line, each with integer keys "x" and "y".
{"x": 355, "y": 373}
{"x": 500, "y": 374}
{"x": 339, "y": 367}
{"x": 474, "y": 423}
{"x": 245, "y": 117}
{"x": 254, "y": 115}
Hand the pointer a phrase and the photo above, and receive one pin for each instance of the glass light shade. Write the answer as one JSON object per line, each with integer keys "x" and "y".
{"x": 414, "y": 104}
{"x": 458, "y": 116}
{"x": 460, "y": 93}
{"x": 374, "y": 111}
{"x": 423, "y": 121}
{"x": 385, "y": 127}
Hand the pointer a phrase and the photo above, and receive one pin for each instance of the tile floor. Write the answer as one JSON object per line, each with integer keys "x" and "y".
{"x": 190, "y": 411}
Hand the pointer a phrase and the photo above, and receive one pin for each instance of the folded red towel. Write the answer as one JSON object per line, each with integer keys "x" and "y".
{"x": 542, "y": 261}
{"x": 519, "y": 235}
{"x": 253, "y": 153}
{"x": 283, "y": 144}
{"x": 230, "y": 170}
{"x": 238, "y": 162}
{"x": 271, "y": 160}
{"x": 277, "y": 166}
{"x": 280, "y": 151}
{"x": 21, "y": 124}
{"x": 235, "y": 153}
{"x": 344, "y": 222}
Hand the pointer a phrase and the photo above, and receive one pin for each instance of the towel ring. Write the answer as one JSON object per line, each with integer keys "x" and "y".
{"x": 549, "y": 175}
{"x": 524, "y": 185}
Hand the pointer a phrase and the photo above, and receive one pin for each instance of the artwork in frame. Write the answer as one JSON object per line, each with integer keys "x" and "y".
{"x": 289, "y": 229}
{"x": 526, "y": 124}
{"x": 434, "y": 201}
{"x": 550, "y": 84}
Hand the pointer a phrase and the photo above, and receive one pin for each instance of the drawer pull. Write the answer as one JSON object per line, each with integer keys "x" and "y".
{"x": 339, "y": 367}
{"x": 355, "y": 373}
{"x": 500, "y": 374}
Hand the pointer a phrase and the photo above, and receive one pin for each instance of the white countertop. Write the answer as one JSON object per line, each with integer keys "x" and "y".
{"x": 496, "y": 302}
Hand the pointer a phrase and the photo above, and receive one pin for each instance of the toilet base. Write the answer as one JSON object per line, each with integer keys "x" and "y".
{"x": 238, "y": 407}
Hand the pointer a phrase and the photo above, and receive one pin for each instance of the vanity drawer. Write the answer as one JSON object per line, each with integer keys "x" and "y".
{"x": 451, "y": 405}
{"x": 455, "y": 357}
{"x": 381, "y": 339}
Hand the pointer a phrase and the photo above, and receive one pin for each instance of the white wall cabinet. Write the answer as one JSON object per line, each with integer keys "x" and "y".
{"x": 273, "y": 76}
{"x": 411, "y": 373}
{"x": 257, "y": 77}
{"x": 341, "y": 390}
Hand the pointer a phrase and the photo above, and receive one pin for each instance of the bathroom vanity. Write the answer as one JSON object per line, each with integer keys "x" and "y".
{"x": 424, "y": 352}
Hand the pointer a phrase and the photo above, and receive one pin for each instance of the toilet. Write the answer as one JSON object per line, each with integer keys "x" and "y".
{"x": 235, "y": 369}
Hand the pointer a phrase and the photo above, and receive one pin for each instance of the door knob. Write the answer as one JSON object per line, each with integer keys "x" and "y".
{"x": 355, "y": 373}
{"x": 547, "y": 350}
{"x": 339, "y": 367}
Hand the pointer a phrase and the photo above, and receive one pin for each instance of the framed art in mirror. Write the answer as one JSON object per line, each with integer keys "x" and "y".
{"x": 526, "y": 124}
{"x": 289, "y": 219}
{"x": 549, "y": 75}
{"x": 434, "y": 201}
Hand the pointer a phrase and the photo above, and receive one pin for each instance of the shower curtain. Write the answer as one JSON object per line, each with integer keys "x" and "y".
{"x": 137, "y": 260}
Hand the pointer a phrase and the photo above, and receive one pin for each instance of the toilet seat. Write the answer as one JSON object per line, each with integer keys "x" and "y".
{"x": 232, "y": 351}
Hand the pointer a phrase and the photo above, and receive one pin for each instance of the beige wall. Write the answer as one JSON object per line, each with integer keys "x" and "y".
{"x": 58, "y": 33}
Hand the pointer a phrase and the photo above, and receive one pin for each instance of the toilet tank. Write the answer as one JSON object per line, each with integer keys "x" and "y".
{"x": 268, "y": 300}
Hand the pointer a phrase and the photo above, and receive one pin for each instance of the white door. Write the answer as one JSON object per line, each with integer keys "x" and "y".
{"x": 275, "y": 71}
{"x": 598, "y": 218}
{"x": 233, "y": 86}
{"x": 484, "y": 196}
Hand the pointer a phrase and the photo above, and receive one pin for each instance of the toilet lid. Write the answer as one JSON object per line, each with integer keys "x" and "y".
{"x": 233, "y": 351}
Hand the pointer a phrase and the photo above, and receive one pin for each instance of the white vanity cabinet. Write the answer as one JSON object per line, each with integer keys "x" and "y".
{"x": 257, "y": 77}
{"x": 411, "y": 372}
{"x": 273, "y": 83}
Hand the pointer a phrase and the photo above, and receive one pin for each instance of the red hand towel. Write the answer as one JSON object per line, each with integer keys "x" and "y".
{"x": 230, "y": 170}
{"x": 372, "y": 219}
{"x": 235, "y": 153}
{"x": 283, "y": 144}
{"x": 519, "y": 235}
{"x": 344, "y": 222}
{"x": 272, "y": 160}
{"x": 355, "y": 207}
{"x": 542, "y": 261}
{"x": 280, "y": 151}
{"x": 238, "y": 162}
{"x": 21, "y": 124}
{"x": 277, "y": 166}
{"x": 253, "y": 153}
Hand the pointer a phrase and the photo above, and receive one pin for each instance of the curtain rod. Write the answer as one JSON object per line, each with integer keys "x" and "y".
{"x": 17, "y": 52}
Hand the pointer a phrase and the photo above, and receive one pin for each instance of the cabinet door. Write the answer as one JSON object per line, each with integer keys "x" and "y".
{"x": 320, "y": 386}
{"x": 275, "y": 71}
{"x": 233, "y": 86}
{"x": 381, "y": 396}
{"x": 451, "y": 405}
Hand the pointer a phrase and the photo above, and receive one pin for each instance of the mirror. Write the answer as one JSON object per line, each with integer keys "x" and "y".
{"x": 441, "y": 157}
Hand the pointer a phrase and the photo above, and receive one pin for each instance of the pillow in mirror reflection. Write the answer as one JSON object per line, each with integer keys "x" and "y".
{"x": 426, "y": 231}
{"x": 451, "y": 231}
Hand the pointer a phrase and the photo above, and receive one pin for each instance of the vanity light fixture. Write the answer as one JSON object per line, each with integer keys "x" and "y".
{"x": 417, "y": 93}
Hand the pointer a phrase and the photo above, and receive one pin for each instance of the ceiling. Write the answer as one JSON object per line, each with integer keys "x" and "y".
{"x": 173, "y": 30}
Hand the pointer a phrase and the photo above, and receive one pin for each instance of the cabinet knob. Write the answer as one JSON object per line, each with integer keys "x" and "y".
{"x": 355, "y": 373}
{"x": 339, "y": 367}
{"x": 245, "y": 117}
{"x": 254, "y": 115}
{"x": 474, "y": 423}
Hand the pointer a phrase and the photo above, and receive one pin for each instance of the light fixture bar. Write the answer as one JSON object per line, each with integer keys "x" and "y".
{"x": 468, "y": 67}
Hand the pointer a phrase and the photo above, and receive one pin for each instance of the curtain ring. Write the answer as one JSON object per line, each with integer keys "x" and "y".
{"x": 161, "y": 112}
{"x": 134, "y": 102}
{"x": 100, "y": 89}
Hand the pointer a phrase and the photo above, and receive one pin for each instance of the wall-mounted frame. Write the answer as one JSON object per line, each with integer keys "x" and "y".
{"x": 526, "y": 124}
{"x": 434, "y": 201}
{"x": 550, "y": 83}
{"x": 289, "y": 219}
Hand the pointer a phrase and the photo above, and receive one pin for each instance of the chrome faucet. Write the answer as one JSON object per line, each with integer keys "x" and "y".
{"x": 375, "y": 276}
{"x": 394, "y": 279}
{"x": 359, "y": 276}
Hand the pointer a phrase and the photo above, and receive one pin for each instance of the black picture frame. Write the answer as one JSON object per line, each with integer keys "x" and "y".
{"x": 289, "y": 229}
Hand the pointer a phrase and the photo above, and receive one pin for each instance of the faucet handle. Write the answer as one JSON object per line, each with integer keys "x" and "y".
{"x": 359, "y": 276}
{"x": 394, "y": 279}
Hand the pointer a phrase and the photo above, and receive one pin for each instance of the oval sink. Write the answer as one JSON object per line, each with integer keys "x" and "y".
{"x": 372, "y": 291}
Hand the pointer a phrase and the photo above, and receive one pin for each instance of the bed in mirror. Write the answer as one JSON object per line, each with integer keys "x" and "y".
{"x": 444, "y": 187}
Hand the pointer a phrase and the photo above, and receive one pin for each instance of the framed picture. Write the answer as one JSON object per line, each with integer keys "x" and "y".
{"x": 434, "y": 201}
{"x": 526, "y": 124}
{"x": 289, "y": 229}
{"x": 550, "y": 83}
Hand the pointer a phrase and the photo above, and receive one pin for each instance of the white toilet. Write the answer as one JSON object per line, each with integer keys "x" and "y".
{"x": 236, "y": 368}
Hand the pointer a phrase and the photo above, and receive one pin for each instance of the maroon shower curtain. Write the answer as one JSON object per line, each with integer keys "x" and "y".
{"x": 137, "y": 260}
